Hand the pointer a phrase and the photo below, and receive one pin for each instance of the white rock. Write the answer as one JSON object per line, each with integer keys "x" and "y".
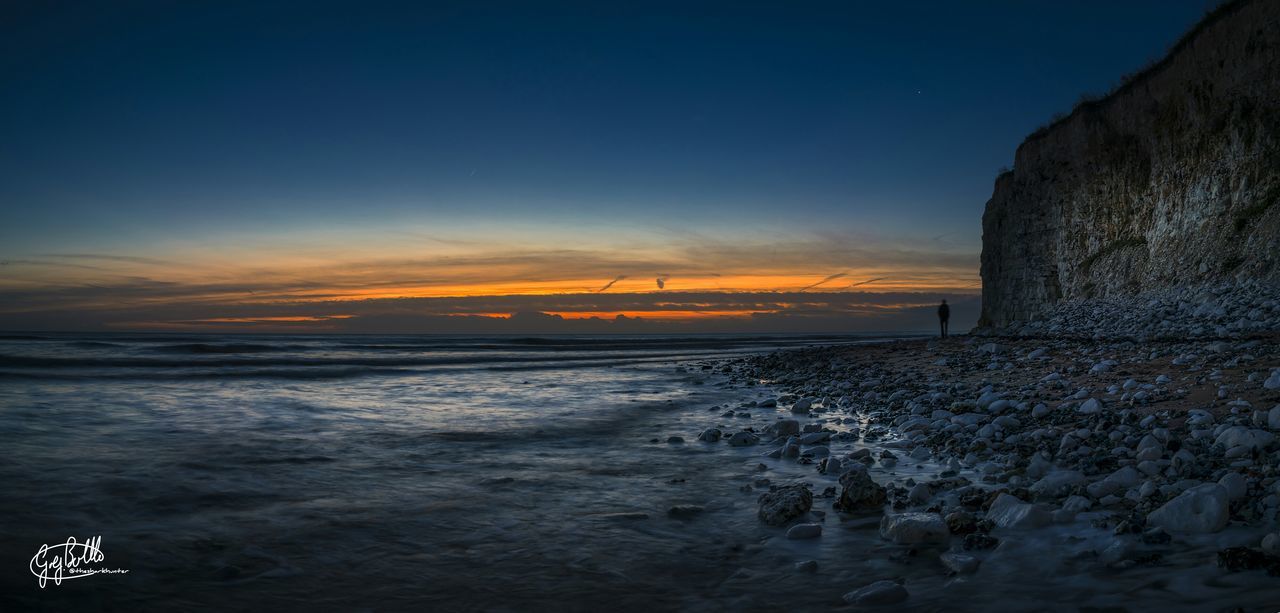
{"x": 1090, "y": 406}
{"x": 1201, "y": 509}
{"x": 1009, "y": 512}
{"x": 804, "y": 531}
{"x": 912, "y": 528}
{"x": 1273, "y": 382}
{"x": 1240, "y": 436}
{"x": 1058, "y": 483}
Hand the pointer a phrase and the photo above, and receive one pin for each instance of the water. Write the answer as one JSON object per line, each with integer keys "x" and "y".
{"x": 395, "y": 473}
{"x": 352, "y": 471}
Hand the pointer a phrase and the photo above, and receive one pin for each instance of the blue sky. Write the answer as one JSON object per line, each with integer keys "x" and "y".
{"x": 231, "y": 136}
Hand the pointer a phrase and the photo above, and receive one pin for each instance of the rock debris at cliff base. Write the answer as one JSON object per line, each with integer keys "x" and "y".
{"x": 1116, "y": 454}
{"x": 1221, "y": 311}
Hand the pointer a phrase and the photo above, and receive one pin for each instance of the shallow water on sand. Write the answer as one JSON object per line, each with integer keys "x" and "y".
{"x": 393, "y": 473}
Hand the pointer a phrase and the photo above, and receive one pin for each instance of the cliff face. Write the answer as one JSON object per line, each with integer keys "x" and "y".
{"x": 1171, "y": 180}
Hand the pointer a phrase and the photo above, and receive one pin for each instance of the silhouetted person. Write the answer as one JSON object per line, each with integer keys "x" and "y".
{"x": 944, "y": 313}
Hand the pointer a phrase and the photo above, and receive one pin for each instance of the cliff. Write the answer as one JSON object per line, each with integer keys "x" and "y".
{"x": 1171, "y": 180}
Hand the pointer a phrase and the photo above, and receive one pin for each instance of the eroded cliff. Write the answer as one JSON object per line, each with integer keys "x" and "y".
{"x": 1171, "y": 180}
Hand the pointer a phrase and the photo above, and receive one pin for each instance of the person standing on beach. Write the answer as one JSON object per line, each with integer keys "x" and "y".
{"x": 944, "y": 313}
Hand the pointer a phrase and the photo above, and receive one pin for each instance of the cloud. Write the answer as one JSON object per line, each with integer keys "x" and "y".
{"x": 867, "y": 282}
{"x": 610, "y": 284}
{"x": 826, "y": 280}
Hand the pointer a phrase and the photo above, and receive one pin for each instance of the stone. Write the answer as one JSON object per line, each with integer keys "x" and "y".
{"x": 784, "y": 427}
{"x": 959, "y": 563}
{"x": 804, "y": 531}
{"x": 710, "y": 435}
{"x": 802, "y": 406}
{"x": 1058, "y": 483}
{"x": 1240, "y": 436}
{"x": 1009, "y": 512}
{"x": 807, "y": 566}
{"x": 1235, "y": 485}
{"x": 1273, "y": 382}
{"x": 743, "y": 439}
{"x": 1201, "y": 509}
{"x": 914, "y": 528}
{"x": 859, "y": 492}
{"x": 783, "y": 504}
{"x": 1089, "y": 407}
{"x": 878, "y": 593}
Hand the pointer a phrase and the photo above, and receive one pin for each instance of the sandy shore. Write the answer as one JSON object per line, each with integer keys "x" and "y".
{"x": 1157, "y": 445}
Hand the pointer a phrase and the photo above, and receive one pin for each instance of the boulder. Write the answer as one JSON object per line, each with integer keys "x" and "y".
{"x": 914, "y": 528}
{"x": 1009, "y": 512}
{"x": 859, "y": 492}
{"x": 743, "y": 439}
{"x": 1201, "y": 509}
{"x": 784, "y": 503}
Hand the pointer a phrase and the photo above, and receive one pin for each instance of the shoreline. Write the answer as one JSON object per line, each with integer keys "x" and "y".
{"x": 1155, "y": 453}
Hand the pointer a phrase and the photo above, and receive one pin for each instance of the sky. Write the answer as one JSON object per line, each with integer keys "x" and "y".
{"x": 488, "y": 167}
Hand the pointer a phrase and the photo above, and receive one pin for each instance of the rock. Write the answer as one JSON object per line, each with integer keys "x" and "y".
{"x": 1058, "y": 483}
{"x": 802, "y": 406}
{"x": 1240, "y": 436}
{"x": 914, "y": 528}
{"x": 976, "y": 541}
{"x": 710, "y": 435}
{"x": 1201, "y": 509}
{"x": 1040, "y": 410}
{"x": 1273, "y": 418}
{"x": 1089, "y": 407}
{"x": 961, "y": 522}
{"x": 1236, "y": 559}
{"x": 743, "y": 439}
{"x": 1235, "y": 485}
{"x": 959, "y": 563}
{"x": 859, "y": 491}
{"x": 814, "y": 438}
{"x": 919, "y": 493}
{"x": 675, "y": 440}
{"x": 804, "y": 531}
{"x": 783, "y": 504}
{"x": 784, "y": 427}
{"x": 1009, "y": 512}
{"x": 807, "y": 566}
{"x": 1271, "y": 543}
{"x": 684, "y": 511}
{"x": 878, "y": 593}
{"x": 1273, "y": 382}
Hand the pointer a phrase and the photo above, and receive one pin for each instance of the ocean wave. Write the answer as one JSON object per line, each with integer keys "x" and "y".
{"x": 210, "y": 348}
{"x": 305, "y": 374}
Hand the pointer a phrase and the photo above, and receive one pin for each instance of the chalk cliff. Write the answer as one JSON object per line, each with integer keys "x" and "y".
{"x": 1173, "y": 179}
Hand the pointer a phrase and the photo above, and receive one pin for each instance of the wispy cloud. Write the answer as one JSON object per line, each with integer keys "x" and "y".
{"x": 610, "y": 284}
{"x": 829, "y": 279}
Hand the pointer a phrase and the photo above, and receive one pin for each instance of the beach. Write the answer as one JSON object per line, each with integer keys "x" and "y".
{"x": 971, "y": 473}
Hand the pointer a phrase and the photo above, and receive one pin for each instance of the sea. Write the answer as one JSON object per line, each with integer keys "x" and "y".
{"x": 440, "y": 473}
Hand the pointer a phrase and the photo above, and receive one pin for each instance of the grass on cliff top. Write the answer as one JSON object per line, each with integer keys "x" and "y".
{"x": 1088, "y": 101}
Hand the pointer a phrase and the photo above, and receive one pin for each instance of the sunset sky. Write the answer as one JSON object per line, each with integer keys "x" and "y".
{"x": 482, "y": 167}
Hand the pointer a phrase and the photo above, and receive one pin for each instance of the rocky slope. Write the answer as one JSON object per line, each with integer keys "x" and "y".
{"x": 1170, "y": 181}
